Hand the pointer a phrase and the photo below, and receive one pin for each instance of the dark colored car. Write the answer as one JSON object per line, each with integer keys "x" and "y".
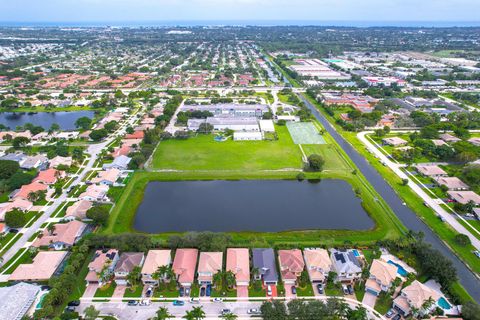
{"x": 149, "y": 292}
{"x": 74, "y": 303}
{"x": 350, "y": 289}
{"x": 209, "y": 290}
{"x": 202, "y": 292}
{"x": 320, "y": 288}
{"x": 225, "y": 311}
{"x": 13, "y": 230}
{"x": 397, "y": 317}
{"x": 294, "y": 290}
{"x": 132, "y": 303}
{"x": 181, "y": 292}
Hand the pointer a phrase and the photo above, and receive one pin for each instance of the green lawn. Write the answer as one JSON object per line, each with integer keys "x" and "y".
{"x": 359, "y": 290}
{"x": 306, "y": 291}
{"x": 224, "y": 293}
{"x": 169, "y": 291}
{"x": 384, "y": 303}
{"x": 252, "y": 292}
{"x": 136, "y": 293}
{"x": 106, "y": 291}
{"x": 203, "y": 153}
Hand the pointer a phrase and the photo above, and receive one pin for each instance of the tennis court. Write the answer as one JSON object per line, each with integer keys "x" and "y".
{"x": 305, "y": 133}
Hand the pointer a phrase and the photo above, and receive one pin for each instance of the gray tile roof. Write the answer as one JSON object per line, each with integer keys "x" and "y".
{"x": 264, "y": 261}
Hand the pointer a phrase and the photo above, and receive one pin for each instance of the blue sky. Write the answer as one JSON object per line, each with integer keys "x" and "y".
{"x": 160, "y": 10}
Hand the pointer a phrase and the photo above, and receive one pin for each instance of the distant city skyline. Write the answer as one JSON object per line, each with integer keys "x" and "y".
{"x": 315, "y": 11}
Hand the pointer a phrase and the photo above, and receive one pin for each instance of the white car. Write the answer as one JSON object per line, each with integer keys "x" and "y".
{"x": 269, "y": 290}
{"x": 253, "y": 311}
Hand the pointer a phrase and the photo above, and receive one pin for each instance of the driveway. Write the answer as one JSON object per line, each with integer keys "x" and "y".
{"x": 119, "y": 291}
{"x": 369, "y": 299}
{"x": 242, "y": 291}
{"x": 288, "y": 291}
{"x": 90, "y": 290}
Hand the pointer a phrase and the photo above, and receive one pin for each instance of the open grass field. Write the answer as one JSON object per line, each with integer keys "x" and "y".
{"x": 204, "y": 153}
{"x": 305, "y": 133}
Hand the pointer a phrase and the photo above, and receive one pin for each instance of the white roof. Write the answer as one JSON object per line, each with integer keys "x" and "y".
{"x": 16, "y": 300}
{"x": 267, "y": 125}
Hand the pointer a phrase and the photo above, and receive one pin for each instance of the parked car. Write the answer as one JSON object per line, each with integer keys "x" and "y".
{"x": 13, "y": 230}
{"x": 294, "y": 290}
{"x": 477, "y": 253}
{"x": 390, "y": 313}
{"x": 187, "y": 292}
{"x": 217, "y": 300}
{"x": 181, "y": 291}
{"x": 209, "y": 290}
{"x": 344, "y": 288}
{"x": 149, "y": 292}
{"x": 74, "y": 303}
{"x": 225, "y": 311}
{"x": 397, "y": 317}
{"x": 320, "y": 288}
{"x": 202, "y": 292}
{"x": 70, "y": 309}
{"x": 253, "y": 311}
{"x": 350, "y": 289}
{"x": 132, "y": 303}
{"x": 145, "y": 302}
{"x": 178, "y": 303}
{"x": 269, "y": 290}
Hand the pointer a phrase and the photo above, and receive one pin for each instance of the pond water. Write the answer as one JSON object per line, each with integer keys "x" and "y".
{"x": 66, "y": 120}
{"x": 263, "y": 206}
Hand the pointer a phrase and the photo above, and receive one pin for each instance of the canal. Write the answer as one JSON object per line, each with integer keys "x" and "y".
{"x": 468, "y": 280}
{"x": 259, "y": 206}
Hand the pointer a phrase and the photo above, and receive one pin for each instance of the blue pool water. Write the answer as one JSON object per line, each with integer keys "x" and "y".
{"x": 444, "y": 304}
{"x": 356, "y": 253}
{"x": 400, "y": 270}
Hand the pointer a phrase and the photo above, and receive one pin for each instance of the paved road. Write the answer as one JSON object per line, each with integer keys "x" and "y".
{"x": 93, "y": 151}
{"x": 407, "y": 216}
{"x": 432, "y": 203}
{"x": 211, "y": 309}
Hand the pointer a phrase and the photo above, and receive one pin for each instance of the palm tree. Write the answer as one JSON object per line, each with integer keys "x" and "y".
{"x": 196, "y": 313}
{"x": 230, "y": 279}
{"x": 51, "y": 228}
{"x": 134, "y": 276}
{"x": 218, "y": 279}
{"x": 160, "y": 274}
{"x": 229, "y": 316}
{"x": 163, "y": 314}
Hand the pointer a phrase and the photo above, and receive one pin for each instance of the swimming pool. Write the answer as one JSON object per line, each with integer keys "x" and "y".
{"x": 400, "y": 270}
{"x": 356, "y": 253}
{"x": 443, "y": 303}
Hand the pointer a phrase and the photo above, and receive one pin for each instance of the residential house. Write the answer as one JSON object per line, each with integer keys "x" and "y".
{"x": 78, "y": 210}
{"x": 120, "y": 163}
{"x": 127, "y": 262}
{"x": 452, "y": 183}
{"x": 318, "y": 264}
{"x": 60, "y": 161}
{"x": 346, "y": 264}
{"x": 95, "y": 193}
{"x": 394, "y": 141}
{"x": 63, "y": 236}
{"x": 382, "y": 275}
{"x": 49, "y": 176}
{"x": 17, "y": 157}
{"x": 449, "y": 138}
{"x": 108, "y": 177}
{"x": 100, "y": 270}
{"x": 135, "y": 135}
{"x": 464, "y": 197}
{"x": 44, "y": 265}
{"x": 184, "y": 266}
{"x": 20, "y": 204}
{"x": 209, "y": 264}
{"x": 238, "y": 262}
{"x": 291, "y": 265}
{"x": 414, "y": 296}
{"x": 25, "y": 190}
{"x": 154, "y": 260}
{"x": 432, "y": 171}
{"x": 17, "y": 300}
{"x": 34, "y": 162}
{"x": 265, "y": 265}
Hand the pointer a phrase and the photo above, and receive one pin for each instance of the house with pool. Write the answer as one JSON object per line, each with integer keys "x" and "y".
{"x": 347, "y": 264}
{"x": 421, "y": 297}
{"x": 382, "y": 275}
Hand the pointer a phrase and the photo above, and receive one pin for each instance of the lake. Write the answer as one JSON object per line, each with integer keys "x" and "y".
{"x": 65, "y": 119}
{"x": 263, "y": 206}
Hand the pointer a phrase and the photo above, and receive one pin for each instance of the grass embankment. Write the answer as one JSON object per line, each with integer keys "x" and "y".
{"x": 45, "y": 109}
{"x": 201, "y": 158}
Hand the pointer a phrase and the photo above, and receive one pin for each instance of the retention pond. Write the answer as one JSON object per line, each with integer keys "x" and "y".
{"x": 261, "y": 206}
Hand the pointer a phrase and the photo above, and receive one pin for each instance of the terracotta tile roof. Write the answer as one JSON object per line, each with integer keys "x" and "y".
{"x": 417, "y": 293}
{"x": 48, "y": 176}
{"x": 155, "y": 259}
{"x": 32, "y": 187}
{"x": 184, "y": 264}
{"x": 79, "y": 209}
{"x": 318, "y": 262}
{"x": 238, "y": 262}
{"x": 66, "y": 233}
{"x": 42, "y": 268}
{"x": 210, "y": 263}
{"x": 383, "y": 272}
{"x": 291, "y": 263}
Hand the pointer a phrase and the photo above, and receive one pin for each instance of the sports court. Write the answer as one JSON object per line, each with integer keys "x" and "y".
{"x": 305, "y": 133}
